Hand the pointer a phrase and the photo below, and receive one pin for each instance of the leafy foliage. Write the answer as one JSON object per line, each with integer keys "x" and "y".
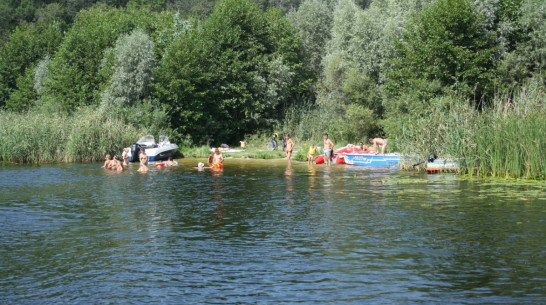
{"x": 444, "y": 48}
{"x": 25, "y": 46}
{"x": 74, "y": 71}
{"x": 230, "y": 73}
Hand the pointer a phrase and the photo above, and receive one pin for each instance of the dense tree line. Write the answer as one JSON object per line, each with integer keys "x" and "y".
{"x": 219, "y": 70}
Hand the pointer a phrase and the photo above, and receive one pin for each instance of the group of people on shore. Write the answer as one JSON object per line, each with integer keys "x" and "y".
{"x": 329, "y": 148}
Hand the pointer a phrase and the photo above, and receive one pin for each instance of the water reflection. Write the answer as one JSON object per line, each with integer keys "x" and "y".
{"x": 217, "y": 191}
{"x": 289, "y": 178}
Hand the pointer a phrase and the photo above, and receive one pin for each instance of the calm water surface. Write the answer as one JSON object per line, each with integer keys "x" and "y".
{"x": 265, "y": 232}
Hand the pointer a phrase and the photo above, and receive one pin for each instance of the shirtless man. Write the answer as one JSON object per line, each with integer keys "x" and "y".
{"x": 116, "y": 164}
{"x": 379, "y": 142}
{"x": 143, "y": 158}
{"x": 328, "y": 149}
{"x": 106, "y": 162}
{"x": 217, "y": 158}
{"x": 289, "y": 146}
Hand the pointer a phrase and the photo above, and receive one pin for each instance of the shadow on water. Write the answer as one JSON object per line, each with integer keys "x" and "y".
{"x": 267, "y": 231}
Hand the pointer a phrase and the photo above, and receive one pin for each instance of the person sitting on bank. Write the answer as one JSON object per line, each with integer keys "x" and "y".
{"x": 106, "y": 162}
{"x": 170, "y": 162}
{"x": 217, "y": 158}
{"x": 311, "y": 154}
{"x": 379, "y": 142}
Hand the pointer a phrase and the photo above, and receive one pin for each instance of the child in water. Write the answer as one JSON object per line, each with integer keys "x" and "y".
{"x": 311, "y": 154}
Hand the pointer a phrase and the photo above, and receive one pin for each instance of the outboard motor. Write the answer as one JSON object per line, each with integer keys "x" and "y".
{"x": 135, "y": 152}
{"x": 432, "y": 157}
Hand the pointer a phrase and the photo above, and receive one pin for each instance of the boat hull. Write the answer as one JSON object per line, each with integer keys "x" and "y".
{"x": 440, "y": 165}
{"x": 372, "y": 159}
{"x": 157, "y": 153}
{"x": 161, "y": 153}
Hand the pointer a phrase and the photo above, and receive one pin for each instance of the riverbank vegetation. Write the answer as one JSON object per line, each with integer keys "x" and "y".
{"x": 462, "y": 78}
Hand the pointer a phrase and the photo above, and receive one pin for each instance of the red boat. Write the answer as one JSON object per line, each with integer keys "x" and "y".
{"x": 339, "y": 154}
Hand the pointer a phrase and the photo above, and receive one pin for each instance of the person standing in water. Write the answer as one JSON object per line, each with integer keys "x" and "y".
{"x": 143, "y": 158}
{"x": 116, "y": 164}
{"x": 289, "y": 146}
{"x": 217, "y": 159}
{"x": 125, "y": 156}
{"x": 328, "y": 149}
{"x": 106, "y": 162}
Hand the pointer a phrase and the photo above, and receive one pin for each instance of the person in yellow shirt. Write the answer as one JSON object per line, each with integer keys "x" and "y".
{"x": 311, "y": 154}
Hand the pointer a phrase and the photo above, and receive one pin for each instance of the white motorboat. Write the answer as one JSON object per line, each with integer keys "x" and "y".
{"x": 155, "y": 151}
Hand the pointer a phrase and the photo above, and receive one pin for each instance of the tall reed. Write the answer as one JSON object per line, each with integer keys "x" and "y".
{"x": 506, "y": 140}
{"x": 86, "y": 135}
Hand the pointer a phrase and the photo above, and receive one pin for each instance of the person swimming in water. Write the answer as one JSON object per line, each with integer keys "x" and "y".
{"x": 170, "y": 162}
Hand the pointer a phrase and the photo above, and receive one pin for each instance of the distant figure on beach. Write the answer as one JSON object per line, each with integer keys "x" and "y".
{"x": 143, "y": 158}
{"x": 106, "y": 162}
{"x": 289, "y": 146}
{"x": 311, "y": 154}
{"x": 362, "y": 147}
{"x": 125, "y": 156}
{"x": 328, "y": 149}
{"x": 170, "y": 162}
{"x": 379, "y": 142}
{"x": 217, "y": 158}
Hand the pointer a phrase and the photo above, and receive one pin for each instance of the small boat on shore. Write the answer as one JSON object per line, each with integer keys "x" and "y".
{"x": 155, "y": 151}
{"x": 442, "y": 166}
{"x": 372, "y": 159}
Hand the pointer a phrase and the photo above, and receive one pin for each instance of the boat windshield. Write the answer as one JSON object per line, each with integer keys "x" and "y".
{"x": 163, "y": 139}
{"x": 147, "y": 140}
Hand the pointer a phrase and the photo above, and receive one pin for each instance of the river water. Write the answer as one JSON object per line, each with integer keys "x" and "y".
{"x": 263, "y": 231}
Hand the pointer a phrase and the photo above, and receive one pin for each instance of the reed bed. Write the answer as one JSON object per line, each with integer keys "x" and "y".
{"x": 506, "y": 140}
{"x": 86, "y": 135}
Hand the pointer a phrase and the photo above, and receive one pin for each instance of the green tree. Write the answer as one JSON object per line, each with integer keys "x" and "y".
{"x": 527, "y": 54}
{"x": 74, "y": 78}
{"x": 133, "y": 65}
{"x": 313, "y": 22}
{"x": 229, "y": 75}
{"x": 26, "y": 45}
{"x": 444, "y": 48}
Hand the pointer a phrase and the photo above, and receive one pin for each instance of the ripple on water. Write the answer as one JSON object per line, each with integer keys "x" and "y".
{"x": 266, "y": 232}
